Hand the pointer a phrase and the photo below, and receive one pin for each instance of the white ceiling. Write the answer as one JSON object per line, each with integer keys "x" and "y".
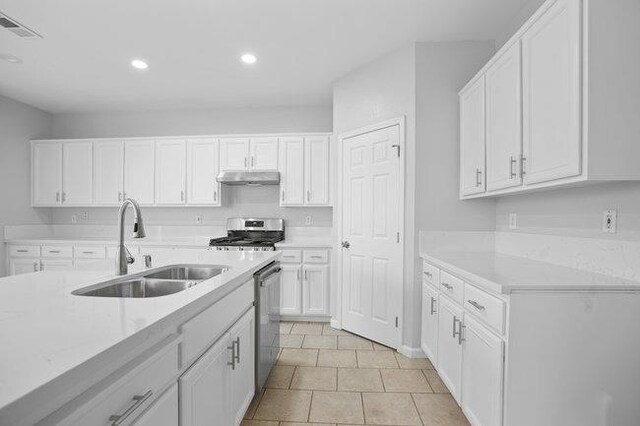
{"x": 193, "y": 48}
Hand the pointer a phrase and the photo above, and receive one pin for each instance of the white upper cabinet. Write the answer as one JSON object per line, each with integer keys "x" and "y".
{"x": 472, "y": 139}
{"x": 503, "y": 121}
{"x": 170, "y": 170}
{"x": 108, "y": 172}
{"x": 77, "y": 173}
{"x": 292, "y": 171}
{"x": 316, "y": 175}
{"x": 263, "y": 153}
{"x": 202, "y": 169}
{"x": 139, "y": 170}
{"x": 551, "y": 62}
{"x": 234, "y": 154}
{"x": 46, "y": 173}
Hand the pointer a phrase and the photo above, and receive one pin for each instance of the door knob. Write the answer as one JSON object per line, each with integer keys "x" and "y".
{"x": 346, "y": 244}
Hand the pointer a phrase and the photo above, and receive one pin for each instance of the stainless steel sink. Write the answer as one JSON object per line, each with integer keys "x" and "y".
{"x": 187, "y": 272}
{"x": 155, "y": 283}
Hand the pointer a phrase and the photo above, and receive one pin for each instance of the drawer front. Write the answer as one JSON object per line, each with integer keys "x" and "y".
{"x": 291, "y": 256}
{"x": 57, "y": 251}
{"x": 316, "y": 256}
{"x": 482, "y": 305}
{"x": 145, "y": 381}
{"x": 24, "y": 251}
{"x": 205, "y": 328}
{"x": 430, "y": 274}
{"x": 88, "y": 252}
{"x": 452, "y": 286}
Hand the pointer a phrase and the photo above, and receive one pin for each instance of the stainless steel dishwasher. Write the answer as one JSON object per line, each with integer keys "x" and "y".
{"x": 267, "y": 288}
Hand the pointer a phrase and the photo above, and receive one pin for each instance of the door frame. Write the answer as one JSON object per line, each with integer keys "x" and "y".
{"x": 338, "y": 287}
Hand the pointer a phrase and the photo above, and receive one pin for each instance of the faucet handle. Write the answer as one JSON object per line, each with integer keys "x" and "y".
{"x": 130, "y": 258}
{"x": 147, "y": 261}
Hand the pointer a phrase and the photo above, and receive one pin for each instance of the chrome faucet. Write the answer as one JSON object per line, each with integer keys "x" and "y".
{"x": 123, "y": 257}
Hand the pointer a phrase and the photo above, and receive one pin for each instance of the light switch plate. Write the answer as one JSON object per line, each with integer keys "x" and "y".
{"x": 513, "y": 220}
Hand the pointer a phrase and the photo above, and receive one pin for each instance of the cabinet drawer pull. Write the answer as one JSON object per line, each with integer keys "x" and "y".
{"x": 88, "y": 252}
{"x": 447, "y": 286}
{"x": 54, "y": 251}
{"x": 476, "y": 305}
{"x": 22, "y": 251}
{"x": 316, "y": 257}
{"x": 428, "y": 274}
{"x": 289, "y": 257}
{"x": 118, "y": 419}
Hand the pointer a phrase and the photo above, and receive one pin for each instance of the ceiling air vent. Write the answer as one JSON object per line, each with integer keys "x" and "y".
{"x": 17, "y": 28}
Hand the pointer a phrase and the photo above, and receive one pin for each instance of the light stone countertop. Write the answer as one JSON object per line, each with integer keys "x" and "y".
{"x": 503, "y": 274}
{"x": 314, "y": 242}
{"x": 49, "y": 336}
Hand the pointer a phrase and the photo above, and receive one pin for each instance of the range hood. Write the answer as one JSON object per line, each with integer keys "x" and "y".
{"x": 252, "y": 177}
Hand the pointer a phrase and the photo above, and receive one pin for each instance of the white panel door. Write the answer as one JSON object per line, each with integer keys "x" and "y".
{"x": 315, "y": 290}
{"x": 264, "y": 153}
{"x": 171, "y": 158}
{"x": 234, "y": 154}
{"x": 243, "y": 383}
{"x": 290, "y": 289}
{"x": 504, "y": 121}
{"x": 481, "y": 375}
{"x": 450, "y": 346}
{"x": 372, "y": 262}
{"x": 139, "y": 170}
{"x": 205, "y": 389}
{"x": 108, "y": 173}
{"x": 202, "y": 168}
{"x": 23, "y": 266}
{"x": 429, "y": 330}
{"x": 316, "y": 171}
{"x": 46, "y": 180}
{"x": 291, "y": 171}
{"x": 472, "y": 139}
{"x": 163, "y": 412}
{"x": 77, "y": 173}
{"x": 551, "y": 81}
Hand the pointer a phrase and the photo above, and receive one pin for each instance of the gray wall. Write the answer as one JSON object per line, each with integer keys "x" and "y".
{"x": 19, "y": 123}
{"x": 236, "y": 201}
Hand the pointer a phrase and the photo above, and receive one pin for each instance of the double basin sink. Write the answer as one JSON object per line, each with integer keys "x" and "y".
{"x": 157, "y": 282}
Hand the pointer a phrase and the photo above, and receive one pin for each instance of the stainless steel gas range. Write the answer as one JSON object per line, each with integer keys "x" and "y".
{"x": 250, "y": 234}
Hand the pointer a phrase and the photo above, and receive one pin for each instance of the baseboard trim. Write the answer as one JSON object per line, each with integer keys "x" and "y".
{"x": 303, "y": 318}
{"x": 410, "y": 352}
{"x": 336, "y": 324}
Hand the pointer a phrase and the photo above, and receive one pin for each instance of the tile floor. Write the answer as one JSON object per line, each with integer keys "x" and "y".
{"x": 330, "y": 377}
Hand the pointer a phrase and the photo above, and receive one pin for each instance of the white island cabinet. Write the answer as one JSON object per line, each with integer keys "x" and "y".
{"x": 525, "y": 343}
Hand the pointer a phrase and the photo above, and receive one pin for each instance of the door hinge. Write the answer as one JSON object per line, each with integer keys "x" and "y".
{"x": 397, "y": 147}
{"x": 397, "y": 237}
{"x": 396, "y": 322}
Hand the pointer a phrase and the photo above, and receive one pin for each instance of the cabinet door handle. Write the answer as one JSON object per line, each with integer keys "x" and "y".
{"x": 57, "y": 197}
{"x": 512, "y": 168}
{"x": 215, "y": 195}
{"x": 476, "y": 305}
{"x": 237, "y": 354}
{"x": 308, "y": 195}
{"x": 455, "y": 321}
{"x": 64, "y": 197}
{"x": 522, "y": 160}
{"x": 433, "y": 302}
{"x": 252, "y": 161}
{"x": 306, "y": 275}
{"x": 283, "y": 195}
{"x": 182, "y": 195}
{"x": 478, "y": 177}
{"x": 119, "y": 196}
{"x": 35, "y": 266}
{"x": 245, "y": 162}
{"x": 461, "y": 333}
{"x": 232, "y": 348}
{"x": 119, "y": 419}
{"x": 298, "y": 274}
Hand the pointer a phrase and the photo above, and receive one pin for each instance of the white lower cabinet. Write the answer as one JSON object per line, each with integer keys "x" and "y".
{"x": 163, "y": 412}
{"x": 290, "y": 290}
{"x": 450, "y": 346}
{"x": 315, "y": 290}
{"x": 429, "y": 330}
{"x": 23, "y": 266}
{"x": 304, "y": 289}
{"x": 219, "y": 386}
{"x": 482, "y": 369}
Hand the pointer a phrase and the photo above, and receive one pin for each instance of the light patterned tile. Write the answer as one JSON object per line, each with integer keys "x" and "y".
{"x": 315, "y": 378}
{"x": 291, "y": 340}
{"x": 285, "y": 327}
{"x": 359, "y": 380}
{"x": 327, "y": 330}
{"x": 439, "y": 410}
{"x": 280, "y": 377}
{"x": 253, "y": 406}
{"x": 336, "y": 407}
{"x": 300, "y": 357}
{"x": 396, "y": 380}
{"x": 337, "y": 358}
{"x": 320, "y": 342}
{"x": 379, "y": 347}
{"x": 435, "y": 381}
{"x": 354, "y": 342}
{"x": 376, "y": 359}
{"x": 277, "y": 404}
{"x": 413, "y": 363}
{"x": 258, "y": 423}
{"x": 390, "y": 409}
{"x": 314, "y": 328}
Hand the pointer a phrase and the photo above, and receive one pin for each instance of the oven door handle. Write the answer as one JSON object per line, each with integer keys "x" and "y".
{"x": 268, "y": 274}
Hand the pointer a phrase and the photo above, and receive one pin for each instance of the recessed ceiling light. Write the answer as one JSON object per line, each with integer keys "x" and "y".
{"x": 249, "y": 58}
{"x": 139, "y": 64}
{"x": 13, "y": 59}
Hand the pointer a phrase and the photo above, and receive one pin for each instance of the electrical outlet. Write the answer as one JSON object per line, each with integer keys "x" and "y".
{"x": 74, "y": 218}
{"x": 308, "y": 220}
{"x": 199, "y": 220}
{"x": 609, "y": 221}
{"x": 513, "y": 221}
{"x": 84, "y": 216}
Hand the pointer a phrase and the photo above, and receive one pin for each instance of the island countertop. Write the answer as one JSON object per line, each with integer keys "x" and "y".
{"x": 47, "y": 333}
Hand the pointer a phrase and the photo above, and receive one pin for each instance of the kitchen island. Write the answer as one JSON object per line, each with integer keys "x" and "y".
{"x": 65, "y": 357}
